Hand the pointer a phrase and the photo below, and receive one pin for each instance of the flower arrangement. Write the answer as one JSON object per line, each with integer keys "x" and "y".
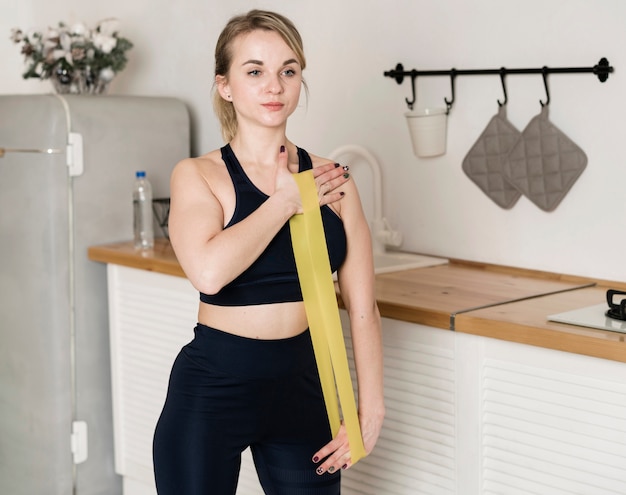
{"x": 76, "y": 59}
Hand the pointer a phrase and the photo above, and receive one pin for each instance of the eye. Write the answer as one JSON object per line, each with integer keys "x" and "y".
{"x": 254, "y": 72}
{"x": 289, "y": 72}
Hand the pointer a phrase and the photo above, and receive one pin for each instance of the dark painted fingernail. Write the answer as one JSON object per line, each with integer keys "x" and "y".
{"x": 337, "y": 165}
{"x": 341, "y": 193}
{"x": 316, "y": 459}
{"x": 282, "y": 148}
{"x": 319, "y": 470}
{"x": 346, "y": 168}
{"x": 346, "y": 176}
{"x": 345, "y": 466}
{"x": 331, "y": 469}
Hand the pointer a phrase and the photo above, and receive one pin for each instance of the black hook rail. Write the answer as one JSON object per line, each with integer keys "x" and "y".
{"x": 602, "y": 70}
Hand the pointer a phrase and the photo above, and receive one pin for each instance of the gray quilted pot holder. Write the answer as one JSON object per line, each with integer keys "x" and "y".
{"x": 483, "y": 162}
{"x": 544, "y": 163}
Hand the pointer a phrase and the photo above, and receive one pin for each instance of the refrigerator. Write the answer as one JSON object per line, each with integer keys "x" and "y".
{"x": 67, "y": 167}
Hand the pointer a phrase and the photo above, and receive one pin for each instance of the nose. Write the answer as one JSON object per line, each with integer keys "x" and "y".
{"x": 274, "y": 84}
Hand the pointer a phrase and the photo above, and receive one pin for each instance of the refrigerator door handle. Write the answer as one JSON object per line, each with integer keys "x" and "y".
{"x": 48, "y": 151}
{"x": 74, "y": 152}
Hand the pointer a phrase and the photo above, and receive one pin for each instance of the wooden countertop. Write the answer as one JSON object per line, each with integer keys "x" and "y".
{"x": 526, "y": 322}
{"x": 488, "y": 300}
{"x": 160, "y": 259}
{"x": 433, "y": 295}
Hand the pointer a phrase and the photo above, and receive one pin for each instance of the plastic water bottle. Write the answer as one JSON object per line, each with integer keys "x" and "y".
{"x": 142, "y": 212}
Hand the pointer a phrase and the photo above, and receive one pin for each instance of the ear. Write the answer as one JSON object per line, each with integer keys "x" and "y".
{"x": 222, "y": 86}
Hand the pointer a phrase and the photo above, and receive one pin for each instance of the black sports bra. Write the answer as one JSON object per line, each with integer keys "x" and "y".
{"x": 273, "y": 277}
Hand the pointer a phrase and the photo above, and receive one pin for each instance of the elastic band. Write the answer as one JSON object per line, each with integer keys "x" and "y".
{"x": 320, "y": 302}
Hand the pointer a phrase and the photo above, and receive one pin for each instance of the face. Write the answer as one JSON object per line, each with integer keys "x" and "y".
{"x": 264, "y": 80}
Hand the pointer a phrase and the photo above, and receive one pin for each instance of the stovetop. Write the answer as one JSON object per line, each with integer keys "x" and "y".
{"x": 610, "y": 316}
{"x": 592, "y": 317}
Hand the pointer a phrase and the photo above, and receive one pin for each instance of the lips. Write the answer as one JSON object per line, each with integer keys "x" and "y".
{"x": 273, "y": 105}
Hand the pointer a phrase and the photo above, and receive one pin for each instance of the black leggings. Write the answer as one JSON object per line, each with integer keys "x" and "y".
{"x": 227, "y": 393}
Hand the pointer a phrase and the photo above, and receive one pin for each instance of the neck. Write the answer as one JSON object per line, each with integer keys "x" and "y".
{"x": 260, "y": 148}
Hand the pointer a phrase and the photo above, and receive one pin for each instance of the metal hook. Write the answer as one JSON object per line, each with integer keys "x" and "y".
{"x": 545, "y": 84}
{"x": 506, "y": 98}
{"x": 451, "y": 101}
{"x": 410, "y": 103}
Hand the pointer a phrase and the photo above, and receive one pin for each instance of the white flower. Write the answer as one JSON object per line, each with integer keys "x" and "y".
{"x": 104, "y": 42}
{"x": 17, "y": 35}
{"x": 48, "y": 45}
{"x": 107, "y": 74}
{"x": 65, "y": 41}
{"x": 79, "y": 29}
{"x": 50, "y": 35}
{"x": 59, "y": 54}
{"x": 108, "y": 26}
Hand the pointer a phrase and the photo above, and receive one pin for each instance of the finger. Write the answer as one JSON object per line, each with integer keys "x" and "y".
{"x": 325, "y": 189}
{"x": 331, "y": 198}
{"x": 283, "y": 158}
{"x": 327, "y": 167}
{"x": 327, "y": 450}
{"x": 335, "y": 454}
{"x": 332, "y": 184}
{"x": 339, "y": 460}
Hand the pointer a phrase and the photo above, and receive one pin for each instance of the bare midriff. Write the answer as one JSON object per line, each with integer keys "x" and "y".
{"x": 262, "y": 321}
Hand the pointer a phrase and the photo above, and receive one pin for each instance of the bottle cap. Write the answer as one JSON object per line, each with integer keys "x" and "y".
{"x": 140, "y": 173}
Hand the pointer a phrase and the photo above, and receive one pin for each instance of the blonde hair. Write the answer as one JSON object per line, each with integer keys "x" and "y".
{"x": 237, "y": 26}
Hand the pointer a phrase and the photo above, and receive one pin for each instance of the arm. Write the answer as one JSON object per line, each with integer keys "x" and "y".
{"x": 210, "y": 255}
{"x": 356, "y": 283}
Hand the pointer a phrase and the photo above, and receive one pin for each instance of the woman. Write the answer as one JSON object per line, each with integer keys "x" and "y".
{"x": 249, "y": 377}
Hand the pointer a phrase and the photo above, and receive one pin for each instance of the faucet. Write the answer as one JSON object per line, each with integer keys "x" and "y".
{"x": 382, "y": 234}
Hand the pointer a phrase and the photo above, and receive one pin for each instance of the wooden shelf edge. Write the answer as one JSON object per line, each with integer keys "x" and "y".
{"x": 614, "y": 350}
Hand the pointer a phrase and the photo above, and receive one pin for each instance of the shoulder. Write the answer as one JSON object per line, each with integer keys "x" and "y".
{"x": 200, "y": 164}
{"x": 198, "y": 179}
{"x": 317, "y": 160}
{"x": 207, "y": 167}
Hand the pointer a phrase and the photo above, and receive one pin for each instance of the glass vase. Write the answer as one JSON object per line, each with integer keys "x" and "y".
{"x": 82, "y": 82}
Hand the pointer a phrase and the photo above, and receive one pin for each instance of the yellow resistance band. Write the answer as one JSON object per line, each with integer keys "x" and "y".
{"x": 320, "y": 302}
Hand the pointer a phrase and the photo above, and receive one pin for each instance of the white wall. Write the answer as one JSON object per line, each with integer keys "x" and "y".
{"x": 350, "y": 44}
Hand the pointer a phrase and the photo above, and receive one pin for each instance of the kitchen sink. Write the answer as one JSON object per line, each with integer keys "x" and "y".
{"x": 395, "y": 261}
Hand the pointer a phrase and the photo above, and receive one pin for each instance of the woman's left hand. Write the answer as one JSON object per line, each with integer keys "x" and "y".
{"x": 329, "y": 178}
{"x": 336, "y": 453}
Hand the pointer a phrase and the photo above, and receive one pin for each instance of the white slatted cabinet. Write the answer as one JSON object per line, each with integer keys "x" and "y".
{"x": 416, "y": 449}
{"x": 466, "y": 415}
{"x": 151, "y": 318}
{"x": 552, "y": 422}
